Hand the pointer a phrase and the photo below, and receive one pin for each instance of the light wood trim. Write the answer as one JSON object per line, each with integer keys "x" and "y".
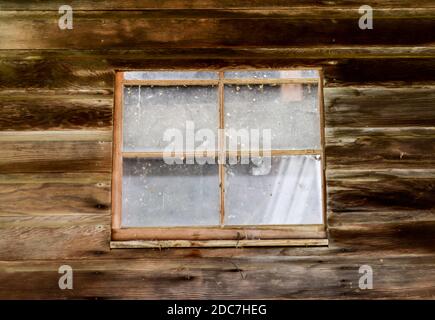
{"x": 56, "y": 135}
{"x": 275, "y": 152}
{"x": 230, "y": 68}
{"x": 322, "y": 142}
{"x": 222, "y": 155}
{"x": 221, "y": 232}
{"x": 215, "y": 153}
{"x": 229, "y": 234}
{"x": 136, "y": 244}
{"x": 245, "y": 81}
{"x": 171, "y": 82}
{"x": 160, "y": 154}
{"x": 271, "y": 81}
{"x": 117, "y": 155}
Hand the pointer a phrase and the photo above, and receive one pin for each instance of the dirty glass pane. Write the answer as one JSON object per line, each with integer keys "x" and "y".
{"x": 290, "y": 111}
{"x": 150, "y": 111}
{"x": 271, "y": 74}
{"x": 286, "y": 190}
{"x": 171, "y": 75}
{"x": 158, "y": 194}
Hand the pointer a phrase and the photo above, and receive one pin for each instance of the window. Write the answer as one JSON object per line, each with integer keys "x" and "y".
{"x": 218, "y": 158}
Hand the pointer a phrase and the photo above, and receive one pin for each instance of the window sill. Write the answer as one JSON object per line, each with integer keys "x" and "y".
{"x": 137, "y": 244}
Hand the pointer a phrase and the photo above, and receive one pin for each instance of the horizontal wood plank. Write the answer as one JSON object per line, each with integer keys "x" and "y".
{"x": 54, "y": 236}
{"x": 59, "y": 72}
{"x": 364, "y": 217}
{"x": 213, "y": 28}
{"x": 54, "y": 193}
{"x": 216, "y": 53}
{"x": 55, "y": 112}
{"x": 73, "y": 72}
{"x": 381, "y": 196}
{"x": 405, "y": 237}
{"x": 378, "y": 106}
{"x": 388, "y": 72}
{"x": 55, "y": 156}
{"x": 56, "y": 135}
{"x": 52, "y": 5}
{"x": 380, "y": 148}
{"x": 406, "y": 277}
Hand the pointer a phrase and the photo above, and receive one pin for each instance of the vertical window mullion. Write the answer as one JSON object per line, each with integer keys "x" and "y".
{"x": 322, "y": 143}
{"x": 221, "y": 146}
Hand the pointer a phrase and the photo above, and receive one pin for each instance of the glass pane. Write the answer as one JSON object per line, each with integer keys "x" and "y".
{"x": 287, "y": 190}
{"x": 150, "y": 111}
{"x": 290, "y": 111}
{"x": 271, "y": 74}
{"x": 158, "y": 194}
{"x": 171, "y": 75}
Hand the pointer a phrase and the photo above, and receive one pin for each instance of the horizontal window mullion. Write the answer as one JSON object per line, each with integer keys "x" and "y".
{"x": 161, "y": 154}
{"x": 215, "y": 153}
{"x": 272, "y": 81}
{"x": 170, "y": 82}
{"x": 216, "y": 82}
{"x": 275, "y": 152}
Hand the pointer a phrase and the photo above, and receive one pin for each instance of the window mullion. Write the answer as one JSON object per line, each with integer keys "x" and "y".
{"x": 222, "y": 155}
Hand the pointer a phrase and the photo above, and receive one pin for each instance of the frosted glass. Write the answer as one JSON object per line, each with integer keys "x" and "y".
{"x": 271, "y": 74}
{"x": 149, "y": 111}
{"x": 290, "y": 111}
{"x": 170, "y": 75}
{"x": 288, "y": 193}
{"x": 157, "y": 194}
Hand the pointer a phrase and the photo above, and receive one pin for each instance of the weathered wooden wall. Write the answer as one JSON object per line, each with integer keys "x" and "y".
{"x": 56, "y": 101}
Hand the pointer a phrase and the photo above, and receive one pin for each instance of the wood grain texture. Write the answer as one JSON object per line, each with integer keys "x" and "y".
{"x": 52, "y": 5}
{"x": 142, "y": 244}
{"x": 54, "y": 236}
{"x": 34, "y": 71}
{"x": 380, "y": 148}
{"x": 268, "y": 277}
{"x": 51, "y": 72}
{"x": 379, "y": 106}
{"x": 55, "y": 152}
{"x": 218, "y": 53}
{"x": 56, "y": 73}
{"x": 380, "y": 196}
{"x": 213, "y": 28}
{"x": 408, "y": 236}
{"x": 54, "y": 194}
{"x": 117, "y": 158}
{"x": 218, "y": 233}
{"x": 55, "y": 112}
{"x": 385, "y": 72}
{"x": 56, "y": 98}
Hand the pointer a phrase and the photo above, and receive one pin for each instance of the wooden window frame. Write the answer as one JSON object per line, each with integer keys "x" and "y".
{"x": 212, "y": 236}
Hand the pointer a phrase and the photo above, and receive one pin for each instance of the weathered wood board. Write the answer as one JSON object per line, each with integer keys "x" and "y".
{"x": 56, "y": 117}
